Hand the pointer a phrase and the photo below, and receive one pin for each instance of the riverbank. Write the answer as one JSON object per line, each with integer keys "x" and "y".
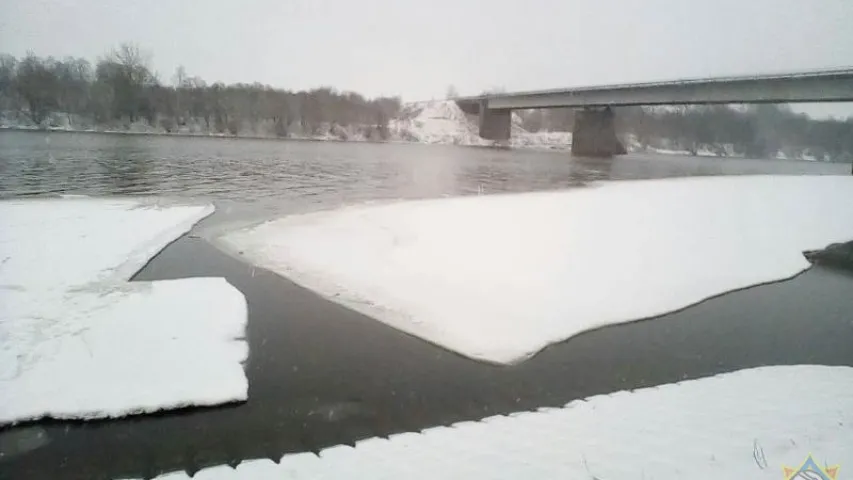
{"x": 156, "y": 133}
{"x": 321, "y": 375}
{"x": 432, "y": 122}
{"x": 437, "y": 122}
{"x": 525, "y": 143}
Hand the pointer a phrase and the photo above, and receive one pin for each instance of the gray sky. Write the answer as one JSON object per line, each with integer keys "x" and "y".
{"x": 416, "y": 48}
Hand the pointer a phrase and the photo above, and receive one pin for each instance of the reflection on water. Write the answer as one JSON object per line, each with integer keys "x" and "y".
{"x": 126, "y": 167}
{"x": 316, "y": 174}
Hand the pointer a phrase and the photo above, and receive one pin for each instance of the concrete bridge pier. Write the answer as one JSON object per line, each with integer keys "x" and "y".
{"x": 495, "y": 124}
{"x": 594, "y": 133}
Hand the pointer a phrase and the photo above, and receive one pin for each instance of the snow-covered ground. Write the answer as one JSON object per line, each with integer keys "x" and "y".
{"x": 77, "y": 340}
{"x": 747, "y": 424}
{"x": 498, "y": 278}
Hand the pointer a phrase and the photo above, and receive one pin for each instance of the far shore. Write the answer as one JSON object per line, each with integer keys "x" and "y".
{"x": 184, "y": 134}
{"x": 297, "y": 138}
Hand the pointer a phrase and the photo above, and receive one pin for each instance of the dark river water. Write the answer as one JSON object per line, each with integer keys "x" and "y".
{"x": 297, "y": 175}
{"x": 320, "y": 374}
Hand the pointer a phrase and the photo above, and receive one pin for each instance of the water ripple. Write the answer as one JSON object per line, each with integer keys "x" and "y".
{"x": 297, "y": 175}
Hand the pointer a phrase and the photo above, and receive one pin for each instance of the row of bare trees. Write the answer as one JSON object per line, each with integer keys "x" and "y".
{"x": 122, "y": 87}
{"x": 756, "y": 131}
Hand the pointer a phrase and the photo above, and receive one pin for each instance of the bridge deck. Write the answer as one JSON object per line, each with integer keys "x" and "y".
{"x": 814, "y": 86}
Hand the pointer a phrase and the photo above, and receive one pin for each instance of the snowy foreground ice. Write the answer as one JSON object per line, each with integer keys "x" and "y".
{"x": 77, "y": 340}
{"x": 498, "y": 278}
{"x": 743, "y": 425}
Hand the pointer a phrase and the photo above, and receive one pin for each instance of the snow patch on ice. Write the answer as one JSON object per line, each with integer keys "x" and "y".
{"x": 746, "y": 424}
{"x": 78, "y": 341}
{"x": 498, "y": 278}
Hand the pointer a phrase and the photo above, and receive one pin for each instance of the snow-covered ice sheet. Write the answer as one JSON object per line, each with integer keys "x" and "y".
{"x": 77, "y": 340}
{"x": 498, "y": 278}
{"x": 71, "y": 242}
{"x": 746, "y": 424}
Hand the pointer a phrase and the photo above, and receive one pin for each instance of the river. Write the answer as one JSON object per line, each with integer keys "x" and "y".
{"x": 305, "y": 173}
{"x": 320, "y": 374}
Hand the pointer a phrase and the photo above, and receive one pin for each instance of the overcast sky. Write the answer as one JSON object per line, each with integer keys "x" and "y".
{"x": 417, "y": 48}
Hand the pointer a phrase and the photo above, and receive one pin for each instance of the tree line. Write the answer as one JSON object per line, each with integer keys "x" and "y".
{"x": 121, "y": 88}
{"x": 756, "y": 131}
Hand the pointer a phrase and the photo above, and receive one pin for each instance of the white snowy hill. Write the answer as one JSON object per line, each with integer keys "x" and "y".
{"x": 442, "y": 121}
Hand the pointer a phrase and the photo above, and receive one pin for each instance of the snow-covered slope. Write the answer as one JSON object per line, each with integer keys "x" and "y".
{"x": 442, "y": 121}
{"x": 436, "y": 122}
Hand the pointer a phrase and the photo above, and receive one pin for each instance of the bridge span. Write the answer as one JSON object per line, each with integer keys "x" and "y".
{"x": 594, "y": 133}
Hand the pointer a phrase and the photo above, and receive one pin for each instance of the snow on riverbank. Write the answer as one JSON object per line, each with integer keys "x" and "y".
{"x": 78, "y": 341}
{"x": 434, "y": 122}
{"x": 442, "y": 121}
{"x": 498, "y": 278}
{"x": 747, "y": 424}
{"x": 437, "y": 122}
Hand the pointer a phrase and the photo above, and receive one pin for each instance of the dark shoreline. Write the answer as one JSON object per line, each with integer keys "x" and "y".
{"x": 532, "y": 148}
{"x": 321, "y": 375}
{"x": 191, "y": 135}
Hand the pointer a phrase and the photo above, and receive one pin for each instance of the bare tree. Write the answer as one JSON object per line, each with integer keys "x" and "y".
{"x": 179, "y": 79}
{"x": 75, "y": 78}
{"x": 8, "y": 95}
{"x": 38, "y": 86}
{"x": 126, "y": 71}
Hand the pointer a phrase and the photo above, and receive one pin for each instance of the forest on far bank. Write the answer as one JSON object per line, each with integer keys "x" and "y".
{"x": 756, "y": 131}
{"x": 120, "y": 88}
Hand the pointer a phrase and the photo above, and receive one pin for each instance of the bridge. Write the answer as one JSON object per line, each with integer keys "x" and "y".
{"x": 594, "y": 133}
